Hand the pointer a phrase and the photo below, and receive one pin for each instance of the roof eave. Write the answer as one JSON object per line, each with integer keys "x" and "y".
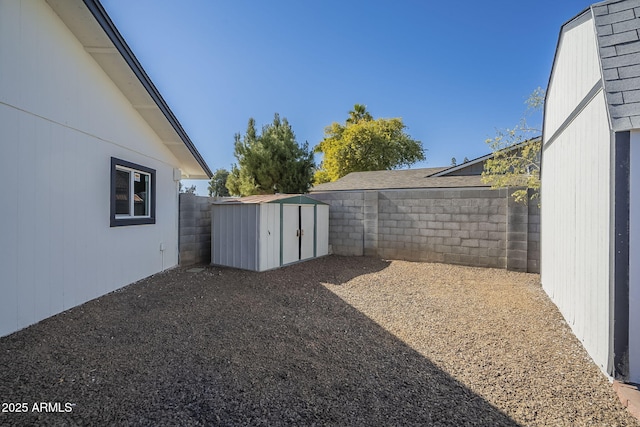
{"x": 69, "y": 12}
{"x": 98, "y": 11}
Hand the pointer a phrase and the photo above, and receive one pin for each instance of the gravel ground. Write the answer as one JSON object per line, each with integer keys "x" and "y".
{"x": 334, "y": 341}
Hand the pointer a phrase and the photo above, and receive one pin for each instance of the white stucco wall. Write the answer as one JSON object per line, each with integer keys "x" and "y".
{"x": 575, "y": 215}
{"x": 61, "y": 121}
{"x": 634, "y": 259}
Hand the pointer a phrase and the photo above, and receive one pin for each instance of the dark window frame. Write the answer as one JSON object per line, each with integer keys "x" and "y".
{"x": 151, "y": 219}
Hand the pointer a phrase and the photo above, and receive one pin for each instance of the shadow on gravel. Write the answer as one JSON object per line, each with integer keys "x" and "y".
{"x": 229, "y": 347}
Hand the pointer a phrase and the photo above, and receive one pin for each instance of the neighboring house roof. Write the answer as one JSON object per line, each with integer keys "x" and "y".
{"x": 476, "y": 166}
{"x": 399, "y": 179}
{"x": 467, "y": 174}
{"x": 268, "y": 198}
{"x": 91, "y": 25}
{"x": 616, "y": 24}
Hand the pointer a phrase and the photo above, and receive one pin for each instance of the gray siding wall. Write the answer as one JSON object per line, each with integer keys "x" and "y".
{"x": 235, "y": 235}
{"x": 476, "y": 227}
{"x": 194, "y": 229}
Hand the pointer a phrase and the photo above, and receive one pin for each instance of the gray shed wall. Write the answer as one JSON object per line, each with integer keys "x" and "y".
{"x": 234, "y": 240}
{"x": 476, "y": 227}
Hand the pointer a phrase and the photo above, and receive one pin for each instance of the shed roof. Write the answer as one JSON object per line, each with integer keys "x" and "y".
{"x": 90, "y": 24}
{"x": 616, "y": 24}
{"x": 270, "y": 198}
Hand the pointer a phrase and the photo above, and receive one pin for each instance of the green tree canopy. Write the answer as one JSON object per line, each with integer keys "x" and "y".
{"x": 363, "y": 143}
{"x": 359, "y": 114}
{"x": 516, "y": 156}
{"x": 270, "y": 162}
{"x": 218, "y": 184}
{"x": 188, "y": 190}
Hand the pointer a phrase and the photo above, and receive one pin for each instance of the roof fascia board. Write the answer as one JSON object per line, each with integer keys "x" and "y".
{"x": 100, "y": 14}
{"x": 579, "y": 19}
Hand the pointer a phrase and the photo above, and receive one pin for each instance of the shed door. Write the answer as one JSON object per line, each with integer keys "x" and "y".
{"x": 307, "y": 230}
{"x": 297, "y": 233}
{"x": 290, "y": 230}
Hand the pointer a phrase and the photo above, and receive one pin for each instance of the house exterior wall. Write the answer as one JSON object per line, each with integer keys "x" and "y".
{"x": 576, "y": 219}
{"x": 477, "y": 227}
{"x": 61, "y": 121}
{"x": 194, "y": 229}
{"x": 634, "y": 264}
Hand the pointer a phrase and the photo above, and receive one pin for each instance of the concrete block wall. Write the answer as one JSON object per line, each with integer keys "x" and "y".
{"x": 476, "y": 227}
{"x": 517, "y": 235}
{"x": 452, "y": 226}
{"x": 194, "y": 229}
{"x": 533, "y": 238}
{"x": 346, "y": 221}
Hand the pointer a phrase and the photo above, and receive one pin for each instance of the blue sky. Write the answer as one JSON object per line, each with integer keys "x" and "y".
{"x": 454, "y": 71}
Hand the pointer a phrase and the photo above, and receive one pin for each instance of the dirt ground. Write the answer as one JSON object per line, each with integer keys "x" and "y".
{"x": 334, "y": 341}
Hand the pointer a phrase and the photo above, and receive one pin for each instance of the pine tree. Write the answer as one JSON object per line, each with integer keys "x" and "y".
{"x": 270, "y": 162}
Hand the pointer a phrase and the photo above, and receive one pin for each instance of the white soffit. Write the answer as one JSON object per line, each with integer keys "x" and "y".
{"x": 79, "y": 19}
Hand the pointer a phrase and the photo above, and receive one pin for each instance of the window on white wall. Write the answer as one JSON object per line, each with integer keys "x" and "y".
{"x": 132, "y": 194}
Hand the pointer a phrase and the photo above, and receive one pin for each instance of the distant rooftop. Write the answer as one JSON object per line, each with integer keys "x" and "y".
{"x": 467, "y": 174}
{"x": 399, "y": 179}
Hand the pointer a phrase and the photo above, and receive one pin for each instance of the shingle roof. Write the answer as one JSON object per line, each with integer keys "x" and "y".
{"x": 398, "y": 179}
{"x": 618, "y": 30}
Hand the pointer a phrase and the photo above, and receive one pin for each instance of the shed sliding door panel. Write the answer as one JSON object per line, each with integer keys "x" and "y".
{"x": 307, "y": 221}
{"x": 322, "y": 230}
{"x": 290, "y": 230}
{"x": 297, "y": 233}
{"x": 269, "y": 245}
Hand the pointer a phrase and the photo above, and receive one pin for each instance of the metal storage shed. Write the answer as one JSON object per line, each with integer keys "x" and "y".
{"x": 265, "y": 232}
